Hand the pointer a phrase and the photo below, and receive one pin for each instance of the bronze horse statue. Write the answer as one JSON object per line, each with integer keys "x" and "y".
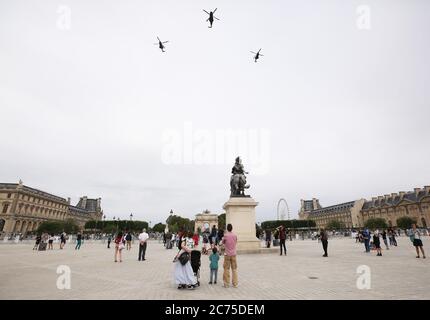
{"x": 238, "y": 179}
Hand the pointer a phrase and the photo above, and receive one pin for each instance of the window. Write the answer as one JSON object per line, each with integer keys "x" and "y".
{"x": 5, "y": 207}
{"x": 9, "y": 195}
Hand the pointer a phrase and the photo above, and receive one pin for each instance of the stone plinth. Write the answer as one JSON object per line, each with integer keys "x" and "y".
{"x": 240, "y": 212}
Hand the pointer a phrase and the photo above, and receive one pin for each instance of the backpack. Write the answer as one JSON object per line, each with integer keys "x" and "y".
{"x": 128, "y": 237}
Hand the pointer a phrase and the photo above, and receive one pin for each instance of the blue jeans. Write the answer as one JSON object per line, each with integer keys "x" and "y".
{"x": 367, "y": 245}
{"x": 214, "y": 275}
{"x": 78, "y": 244}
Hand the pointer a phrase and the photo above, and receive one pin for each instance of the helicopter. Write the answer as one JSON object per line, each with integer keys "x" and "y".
{"x": 211, "y": 17}
{"x": 257, "y": 55}
{"x": 161, "y": 44}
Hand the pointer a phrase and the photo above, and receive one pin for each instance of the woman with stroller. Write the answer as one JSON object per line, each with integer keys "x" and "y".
{"x": 184, "y": 275}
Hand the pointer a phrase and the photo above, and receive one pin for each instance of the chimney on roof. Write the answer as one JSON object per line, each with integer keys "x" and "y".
{"x": 314, "y": 203}
{"x": 386, "y": 196}
{"x": 302, "y": 204}
{"x": 84, "y": 201}
{"x": 380, "y": 197}
{"x": 99, "y": 200}
{"x": 417, "y": 190}
{"x": 393, "y": 195}
{"x": 68, "y": 200}
{"x": 401, "y": 194}
{"x": 427, "y": 189}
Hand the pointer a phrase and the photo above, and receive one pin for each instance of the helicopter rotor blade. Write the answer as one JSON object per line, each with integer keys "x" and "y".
{"x": 165, "y": 41}
{"x": 214, "y": 10}
{"x": 206, "y": 11}
{"x": 253, "y": 52}
{"x": 216, "y": 18}
{"x": 158, "y": 39}
{"x": 262, "y": 55}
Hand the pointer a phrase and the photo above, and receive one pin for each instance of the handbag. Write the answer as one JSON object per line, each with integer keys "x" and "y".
{"x": 184, "y": 258}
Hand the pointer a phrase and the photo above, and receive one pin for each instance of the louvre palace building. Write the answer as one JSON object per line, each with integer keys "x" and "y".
{"x": 23, "y": 209}
{"x": 353, "y": 214}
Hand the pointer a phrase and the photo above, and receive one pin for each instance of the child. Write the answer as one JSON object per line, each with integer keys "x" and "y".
{"x": 377, "y": 243}
{"x": 213, "y": 258}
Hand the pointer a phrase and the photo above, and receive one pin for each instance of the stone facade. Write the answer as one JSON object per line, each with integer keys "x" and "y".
{"x": 23, "y": 209}
{"x": 415, "y": 204}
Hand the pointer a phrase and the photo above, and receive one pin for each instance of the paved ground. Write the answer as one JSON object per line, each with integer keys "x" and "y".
{"x": 303, "y": 274}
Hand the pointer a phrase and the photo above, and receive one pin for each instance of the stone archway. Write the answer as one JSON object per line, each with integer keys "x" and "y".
{"x": 423, "y": 222}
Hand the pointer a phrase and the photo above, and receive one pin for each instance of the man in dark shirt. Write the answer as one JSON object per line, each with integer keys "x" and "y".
{"x": 282, "y": 238}
{"x": 324, "y": 241}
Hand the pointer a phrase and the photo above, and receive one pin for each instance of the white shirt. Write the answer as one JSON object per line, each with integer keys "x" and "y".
{"x": 143, "y": 237}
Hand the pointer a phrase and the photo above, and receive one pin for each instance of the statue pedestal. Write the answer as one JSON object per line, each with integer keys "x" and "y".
{"x": 240, "y": 212}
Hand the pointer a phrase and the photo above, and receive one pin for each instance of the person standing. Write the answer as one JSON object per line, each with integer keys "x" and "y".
{"x": 38, "y": 240}
{"x": 282, "y": 237}
{"x": 128, "y": 239}
{"x": 377, "y": 243}
{"x": 268, "y": 238}
{"x": 418, "y": 244}
{"x": 384, "y": 238}
{"x": 62, "y": 240}
{"x": 324, "y": 241}
{"x": 214, "y": 258}
{"x": 109, "y": 240}
{"x": 78, "y": 241}
{"x": 50, "y": 242}
{"x": 143, "y": 238}
{"x": 119, "y": 246}
{"x": 366, "y": 238}
{"x": 230, "y": 241}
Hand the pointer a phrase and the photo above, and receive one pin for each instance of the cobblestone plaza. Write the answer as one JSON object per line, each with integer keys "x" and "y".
{"x": 302, "y": 274}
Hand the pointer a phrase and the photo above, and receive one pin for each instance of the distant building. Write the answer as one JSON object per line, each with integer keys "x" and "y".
{"x": 415, "y": 204}
{"x": 205, "y": 221}
{"x": 23, "y": 209}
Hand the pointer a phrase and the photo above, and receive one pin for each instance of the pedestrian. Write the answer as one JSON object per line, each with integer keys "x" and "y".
{"x": 183, "y": 273}
{"x": 109, "y": 240}
{"x": 50, "y": 242}
{"x": 268, "y": 237}
{"x": 128, "y": 239}
{"x": 38, "y": 240}
{"x": 213, "y": 236}
{"x": 377, "y": 243}
{"x": 143, "y": 238}
{"x": 78, "y": 241}
{"x": 366, "y": 239}
{"x": 384, "y": 238}
{"x": 62, "y": 240}
{"x": 213, "y": 258}
{"x": 418, "y": 244}
{"x": 196, "y": 239}
{"x": 282, "y": 237}
{"x": 394, "y": 238}
{"x": 119, "y": 246}
{"x": 324, "y": 241}
{"x": 230, "y": 241}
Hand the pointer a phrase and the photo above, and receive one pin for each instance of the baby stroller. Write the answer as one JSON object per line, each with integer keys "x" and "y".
{"x": 195, "y": 264}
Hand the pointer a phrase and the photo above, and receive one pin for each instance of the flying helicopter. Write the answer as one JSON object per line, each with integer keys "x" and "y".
{"x": 257, "y": 55}
{"x": 161, "y": 44}
{"x": 211, "y": 17}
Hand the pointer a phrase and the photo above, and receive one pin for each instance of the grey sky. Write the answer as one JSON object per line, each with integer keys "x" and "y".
{"x": 84, "y": 111}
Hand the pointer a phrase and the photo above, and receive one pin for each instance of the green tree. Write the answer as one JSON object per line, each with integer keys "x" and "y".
{"x": 70, "y": 226}
{"x": 289, "y": 224}
{"x": 51, "y": 227}
{"x": 376, "y": 223}
{"x": 334, "y": 225}
{"x": 405, "y": 222}
{"x": 159, "y": 227}
{"x": 221, "y": 221}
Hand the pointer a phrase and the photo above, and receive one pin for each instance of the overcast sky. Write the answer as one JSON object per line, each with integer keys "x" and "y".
{"x": 337, "y": 108}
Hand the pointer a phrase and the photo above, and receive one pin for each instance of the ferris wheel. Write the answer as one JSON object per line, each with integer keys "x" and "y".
{"x": 283, "y": 209}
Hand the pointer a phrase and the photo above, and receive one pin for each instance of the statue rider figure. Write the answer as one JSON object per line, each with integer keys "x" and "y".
{"x": 238, "y": 179}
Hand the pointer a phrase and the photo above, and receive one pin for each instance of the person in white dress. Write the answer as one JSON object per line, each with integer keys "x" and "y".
{"x": 184, "y": 275}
